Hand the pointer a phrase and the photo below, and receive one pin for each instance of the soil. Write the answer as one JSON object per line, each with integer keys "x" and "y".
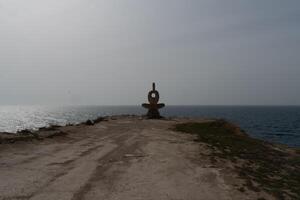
{"x": 126, "y": 158}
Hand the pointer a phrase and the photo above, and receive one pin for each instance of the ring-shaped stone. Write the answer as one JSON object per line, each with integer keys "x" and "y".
{"x": 155, "y": 99}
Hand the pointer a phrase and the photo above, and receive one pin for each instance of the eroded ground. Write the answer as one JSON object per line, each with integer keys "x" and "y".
{"x": 127, "y": 158}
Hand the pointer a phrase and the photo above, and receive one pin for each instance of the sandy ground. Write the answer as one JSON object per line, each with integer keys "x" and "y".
{"x": 127, "y": 158}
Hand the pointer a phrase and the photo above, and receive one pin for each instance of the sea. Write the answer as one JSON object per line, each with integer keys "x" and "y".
{"x": 279, "y": 124}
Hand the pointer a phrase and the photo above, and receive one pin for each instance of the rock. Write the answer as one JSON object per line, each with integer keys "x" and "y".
{"x": 24, "y": 132}
{"x": 89, "y": 123}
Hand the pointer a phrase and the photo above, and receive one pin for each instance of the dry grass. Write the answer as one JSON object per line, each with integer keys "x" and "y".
{"x": 275, "y": 171}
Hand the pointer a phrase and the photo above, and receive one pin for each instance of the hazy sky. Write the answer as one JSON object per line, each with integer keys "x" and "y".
{"x": 109, "y": 51}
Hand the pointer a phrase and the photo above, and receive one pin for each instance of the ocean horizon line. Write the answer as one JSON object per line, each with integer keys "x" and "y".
{"x": 185, "y": 105}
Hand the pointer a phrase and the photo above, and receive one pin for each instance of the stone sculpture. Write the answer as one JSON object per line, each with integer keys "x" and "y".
{"x": 153, "y": 106}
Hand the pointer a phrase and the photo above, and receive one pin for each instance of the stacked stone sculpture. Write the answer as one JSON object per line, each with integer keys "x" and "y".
{"x": 153, "y": 106}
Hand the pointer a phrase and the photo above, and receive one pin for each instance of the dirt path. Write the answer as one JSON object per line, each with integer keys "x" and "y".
{"x": 126, "y": 159}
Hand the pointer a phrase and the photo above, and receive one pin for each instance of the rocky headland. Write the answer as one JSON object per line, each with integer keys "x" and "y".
{"x": 130, "y": 157}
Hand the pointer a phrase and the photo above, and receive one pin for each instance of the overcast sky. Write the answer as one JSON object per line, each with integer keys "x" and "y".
{"x": 108, "y": 52}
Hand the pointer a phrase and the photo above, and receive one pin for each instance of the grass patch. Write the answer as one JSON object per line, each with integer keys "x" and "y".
{"x": 275, "y": 171}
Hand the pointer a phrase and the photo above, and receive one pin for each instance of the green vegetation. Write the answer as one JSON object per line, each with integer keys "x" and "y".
{"x": 275, "y": 170}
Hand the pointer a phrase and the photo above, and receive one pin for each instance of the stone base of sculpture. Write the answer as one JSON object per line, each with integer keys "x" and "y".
{"x": 153, "y": 113}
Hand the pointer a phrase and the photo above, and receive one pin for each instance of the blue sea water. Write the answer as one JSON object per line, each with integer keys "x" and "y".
{"x": 280, "y": 124}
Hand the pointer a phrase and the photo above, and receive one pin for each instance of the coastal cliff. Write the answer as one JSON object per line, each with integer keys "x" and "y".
{"x": 129, "y": 157}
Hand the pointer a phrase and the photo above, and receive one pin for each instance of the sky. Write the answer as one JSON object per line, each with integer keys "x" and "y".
{"x": 199, "y": 52}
